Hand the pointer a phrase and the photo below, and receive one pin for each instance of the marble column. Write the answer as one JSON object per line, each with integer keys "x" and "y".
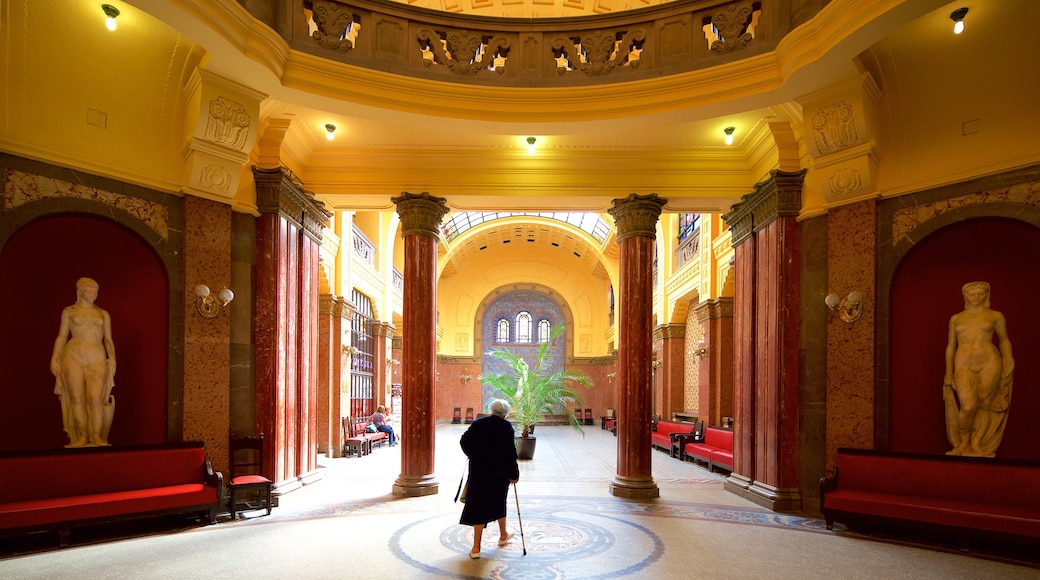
{"x": 766, "y": 330}
{"x": 715, "y": 396}
{"x": 382, "y": 366}
{"x": 288, "y": 237}
{"x": 636, "y": 220}
{"x": 670, "y": 343}
{"x": 421, "y": 216}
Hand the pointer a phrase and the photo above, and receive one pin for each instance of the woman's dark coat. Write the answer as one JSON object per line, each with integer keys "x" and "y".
{"x": 489, "y": 444}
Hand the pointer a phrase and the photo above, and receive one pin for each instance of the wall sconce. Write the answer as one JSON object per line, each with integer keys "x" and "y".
{"x": 958, "y": 19}
{"x": 349, "y": 350}
{"x": 530, "y": 145}
{"x": 848, "y": 308}
{"x": 111, "y": 12}
{"x": 392, "y": 362}
{"x": 465, "y": 378}
{"x": 657, "y": 363}
{"x": 330, "y": 131}
{"x": 729, "y": 134}
{"x": 208, "y": 305}
{"x": 701, "y": 351}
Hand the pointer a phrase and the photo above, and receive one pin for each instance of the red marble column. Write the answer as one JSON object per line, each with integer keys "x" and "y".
{"x": 307, "y": 362}
{"x": 716, "y": 366}
{"x": 670, "y": 340}
{"x": 765, "y": 329}
{"x": 421, "y": 216}
{"x": 288, "y": 237}
{"x": 636, "y": 220}
{"x": 331, "y": 311}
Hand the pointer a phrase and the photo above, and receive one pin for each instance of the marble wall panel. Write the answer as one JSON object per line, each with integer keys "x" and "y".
{"x": 207, "y": 260}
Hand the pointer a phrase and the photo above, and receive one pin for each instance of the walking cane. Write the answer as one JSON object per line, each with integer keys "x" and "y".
{"x": 522, "y": 542}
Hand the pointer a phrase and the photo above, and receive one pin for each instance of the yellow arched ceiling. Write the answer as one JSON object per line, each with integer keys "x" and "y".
{"x": 526, "y": 251}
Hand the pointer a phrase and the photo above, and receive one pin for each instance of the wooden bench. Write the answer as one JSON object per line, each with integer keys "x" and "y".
{"x": 967, "y": 494}
{"x": 359, "y": 430}
{"x": 59, "y": 489}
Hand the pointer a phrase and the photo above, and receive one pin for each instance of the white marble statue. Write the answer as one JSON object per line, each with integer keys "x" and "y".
{"x": 84, "y": 368}
{"x": 977, "y": 386}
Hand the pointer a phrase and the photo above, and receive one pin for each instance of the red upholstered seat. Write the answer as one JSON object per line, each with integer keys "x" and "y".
{"x": 246, "y": 457}
{"x": 964, "y": 493}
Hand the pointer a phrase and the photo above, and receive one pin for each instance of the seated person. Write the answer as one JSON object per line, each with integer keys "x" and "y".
{"x": 379, "y": 420}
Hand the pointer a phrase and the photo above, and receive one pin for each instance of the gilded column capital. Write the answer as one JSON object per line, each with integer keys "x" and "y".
{"x": 421, "y": 213}
{"x": 637, "y": 215}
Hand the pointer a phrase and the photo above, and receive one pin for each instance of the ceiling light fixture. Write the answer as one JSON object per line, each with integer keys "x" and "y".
{"x": 330, "y": 130}
{"x": 958, "y": 19}
{"x": 729, "y": 135}
{"x": 530, "y": 144}
{"x": 110, "y": 15}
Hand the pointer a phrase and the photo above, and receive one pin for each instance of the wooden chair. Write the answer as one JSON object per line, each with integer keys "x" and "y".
{"x": 588, "y": 416}
{"x": 469, "y": 414}
{"x": 246, "y": 463}
{"x": 456, "y": 416}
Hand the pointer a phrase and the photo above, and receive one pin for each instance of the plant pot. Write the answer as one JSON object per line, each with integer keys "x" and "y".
{"x": 525, "y": 447}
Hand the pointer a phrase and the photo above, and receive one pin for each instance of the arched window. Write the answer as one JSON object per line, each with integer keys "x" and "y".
{"x": 543, "y": 331}
{"x": 523, "y": 327}
{"x": 503, "y": 331}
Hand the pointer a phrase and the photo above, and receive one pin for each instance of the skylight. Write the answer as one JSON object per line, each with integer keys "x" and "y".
{"x": 590, "y": 223}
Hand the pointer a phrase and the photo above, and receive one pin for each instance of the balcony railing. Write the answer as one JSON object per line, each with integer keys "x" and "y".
{"x": 666, "y": 39}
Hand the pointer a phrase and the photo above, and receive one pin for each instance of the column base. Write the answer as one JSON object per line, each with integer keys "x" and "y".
{"x": 284, "y": 487}
{"x": 634, "y": 488}
{"x": 410, "y": 486}
{"x": 737, "y": 483}
{"x": 310, "y": 477}
{"x": 769, "y": 497}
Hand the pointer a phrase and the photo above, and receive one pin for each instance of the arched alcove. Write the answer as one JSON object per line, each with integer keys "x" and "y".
{"x": 39, "y": 265}
{"x": 926, "y": 292}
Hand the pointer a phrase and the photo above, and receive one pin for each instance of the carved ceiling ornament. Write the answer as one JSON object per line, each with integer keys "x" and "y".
{"x": 421, "y": 213}
{"x": 834, "y": 127}
{"x": 464, "y": 52}
{"x": 733, "y": 27}
{"x": 637, "y": 215}
{"x": 337, "y": 28}
{"x": 228, "y": 123}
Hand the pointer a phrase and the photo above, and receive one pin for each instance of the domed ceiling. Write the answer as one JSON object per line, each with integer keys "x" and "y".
{"x": 532, "y": 8}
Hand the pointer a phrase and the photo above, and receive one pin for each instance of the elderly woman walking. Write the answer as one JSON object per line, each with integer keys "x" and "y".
{"x": 489, "y": 445}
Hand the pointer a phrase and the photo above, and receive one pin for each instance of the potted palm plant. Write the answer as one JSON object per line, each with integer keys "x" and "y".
{"x": 533, "y": 390}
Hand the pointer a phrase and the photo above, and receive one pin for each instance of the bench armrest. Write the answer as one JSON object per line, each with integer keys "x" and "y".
{"x": 828, "y": 484}
{"x": 214, "y": 478}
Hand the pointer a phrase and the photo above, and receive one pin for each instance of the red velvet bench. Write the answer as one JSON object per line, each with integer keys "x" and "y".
{"x": 716, "y": 450}
{"x": 663, "y": 436}
{"x": 964, "y": 493}
{"x": 59, "y": 489}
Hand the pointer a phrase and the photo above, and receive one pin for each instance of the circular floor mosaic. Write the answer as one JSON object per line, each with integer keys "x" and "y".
{"x": 559, "y": 545}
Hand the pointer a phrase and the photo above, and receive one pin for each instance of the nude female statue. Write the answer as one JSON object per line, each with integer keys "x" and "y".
{"x": 977, "y": 386}
{"x": 84, "y": 368}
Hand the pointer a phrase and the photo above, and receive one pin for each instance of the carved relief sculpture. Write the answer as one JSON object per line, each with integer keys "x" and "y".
{"x": 337, "y": 28}
{"x": 84, "y": 366}
{"x": 228, "y": 123}
{"x": 977, "y": 386}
